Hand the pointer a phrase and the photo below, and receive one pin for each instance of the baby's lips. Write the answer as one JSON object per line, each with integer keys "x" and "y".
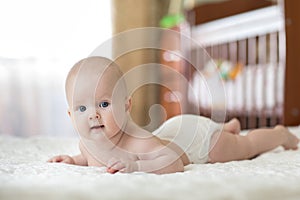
{"x": 98, "y": 126}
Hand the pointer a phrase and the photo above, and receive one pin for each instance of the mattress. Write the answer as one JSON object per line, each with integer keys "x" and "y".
{"x": 25, "y": 174}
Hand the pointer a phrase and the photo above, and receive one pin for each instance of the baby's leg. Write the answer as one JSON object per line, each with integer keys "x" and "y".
{"x": 291, "y": 142}
{"x": 233, "y": 126}
{"x": 230, "y": 146}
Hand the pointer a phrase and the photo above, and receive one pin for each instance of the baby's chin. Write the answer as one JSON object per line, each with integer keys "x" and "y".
{"x": 98, "y": 135}
{"x": 95, "y": 134}
{"x": 97, "y": 138}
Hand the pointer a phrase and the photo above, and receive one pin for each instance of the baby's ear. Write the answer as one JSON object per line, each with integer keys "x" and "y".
{"x": 128, "y": 104}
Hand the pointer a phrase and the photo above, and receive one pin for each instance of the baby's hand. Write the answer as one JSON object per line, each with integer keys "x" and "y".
{"x": 63, "y": 159}
{"x": 119, "y": 165}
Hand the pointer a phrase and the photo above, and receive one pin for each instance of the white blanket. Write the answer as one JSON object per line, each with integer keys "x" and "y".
{"x": 25, "y": 174}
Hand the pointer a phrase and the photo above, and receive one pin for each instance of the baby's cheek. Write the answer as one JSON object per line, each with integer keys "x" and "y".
{"x": 119, "y": 120}
{"x": 82, "y": 129}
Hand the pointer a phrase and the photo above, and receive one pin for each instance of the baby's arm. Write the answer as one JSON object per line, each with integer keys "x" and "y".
{"x": 160, "y": 162}
{"x": 163, "y": 164}
{"x": 74, "y": 160}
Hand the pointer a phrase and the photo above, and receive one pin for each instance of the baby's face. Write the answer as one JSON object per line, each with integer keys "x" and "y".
{"x": 98, "y": 105}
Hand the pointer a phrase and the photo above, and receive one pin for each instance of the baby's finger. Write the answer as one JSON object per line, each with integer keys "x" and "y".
{"x": 118, "y": 166}
{"x": 55, "y": 159}
{"x": 124, "y": 170}
{"x": 66, "y": 160}
{"x": 112, "y": 162}
{"x": 112, "y": 171}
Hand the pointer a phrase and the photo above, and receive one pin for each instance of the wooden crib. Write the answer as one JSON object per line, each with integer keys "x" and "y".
{"x": 254, "y": 45}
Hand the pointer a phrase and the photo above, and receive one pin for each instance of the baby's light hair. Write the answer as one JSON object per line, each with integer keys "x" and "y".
{"x": 102, "y": 62}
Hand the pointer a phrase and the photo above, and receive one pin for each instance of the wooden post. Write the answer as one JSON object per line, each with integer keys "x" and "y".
{"x": 292, "y": 73}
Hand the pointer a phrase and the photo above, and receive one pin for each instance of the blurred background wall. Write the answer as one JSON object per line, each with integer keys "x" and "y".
{"x": 40, "y": 41}
{"x": 132, "y": 14}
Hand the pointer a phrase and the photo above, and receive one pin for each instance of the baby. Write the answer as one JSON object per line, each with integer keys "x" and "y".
{"x": 99, "y": 108}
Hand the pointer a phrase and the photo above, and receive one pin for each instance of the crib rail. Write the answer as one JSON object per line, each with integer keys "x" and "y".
{"x": 256, "y": 41}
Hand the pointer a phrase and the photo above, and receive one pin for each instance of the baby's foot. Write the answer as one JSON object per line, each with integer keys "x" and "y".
{"x": 291, "y": 141}
{"x": 233, "y": 126}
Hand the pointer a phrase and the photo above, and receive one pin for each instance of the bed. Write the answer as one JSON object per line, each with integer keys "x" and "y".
{"x": 25, "y": 174}
{"x": 247, "y": 49}
{"x": 253, "y": 52}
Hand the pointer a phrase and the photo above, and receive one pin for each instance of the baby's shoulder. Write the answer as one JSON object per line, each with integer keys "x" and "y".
{"x": 141, "y": 140}
{"x": 144, "y": 143}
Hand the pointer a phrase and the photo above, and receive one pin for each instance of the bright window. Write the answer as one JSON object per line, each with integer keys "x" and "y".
{"x": 40, "y": 41}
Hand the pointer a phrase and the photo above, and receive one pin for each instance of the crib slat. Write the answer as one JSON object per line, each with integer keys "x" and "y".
{"x": 231, "y": 83}
{"x": 242, "y": 58}
{"x": 273, "y": 61}
{"x": 281, "y": 74}
{"x": 251, "y": 81}
{"x": 264, "y": 88}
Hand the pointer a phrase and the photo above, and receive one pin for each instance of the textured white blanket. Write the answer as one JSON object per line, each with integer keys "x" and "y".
{"x": 24, "y": 174}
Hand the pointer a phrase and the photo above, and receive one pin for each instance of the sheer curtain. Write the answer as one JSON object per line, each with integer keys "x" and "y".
{"x": 40, "y": 41}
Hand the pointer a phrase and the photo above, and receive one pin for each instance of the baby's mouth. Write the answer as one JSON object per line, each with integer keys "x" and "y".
{"x": 97, "y": 127}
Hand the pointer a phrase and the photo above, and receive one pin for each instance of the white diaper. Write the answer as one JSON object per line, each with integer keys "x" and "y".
{"x": 190, "y": 132}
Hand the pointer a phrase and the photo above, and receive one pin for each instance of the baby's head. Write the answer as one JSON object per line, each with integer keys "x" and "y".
{"x": 97, "y": 96}
{"x": 90, "y": 72}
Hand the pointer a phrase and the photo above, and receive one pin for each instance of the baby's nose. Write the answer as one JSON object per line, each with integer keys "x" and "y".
{"x": 94, "y": 116}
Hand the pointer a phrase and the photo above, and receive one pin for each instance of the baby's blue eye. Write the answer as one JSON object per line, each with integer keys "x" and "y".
{"x": 82, "y": 108}
{"x": 103, "y": 104}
